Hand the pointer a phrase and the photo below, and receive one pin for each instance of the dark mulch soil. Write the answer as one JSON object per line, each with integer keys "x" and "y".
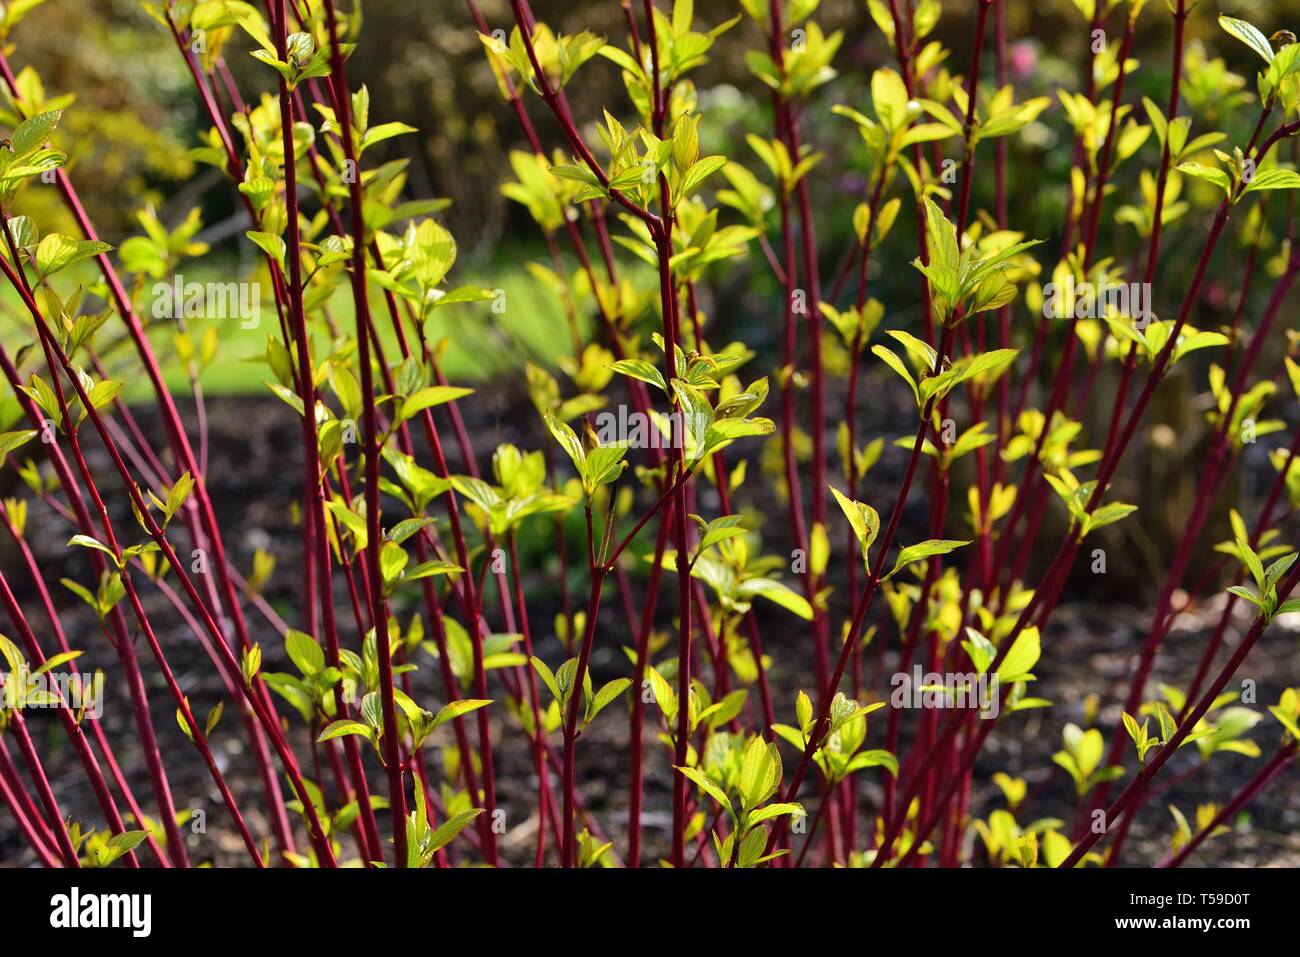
{"x": 255, "y": 477}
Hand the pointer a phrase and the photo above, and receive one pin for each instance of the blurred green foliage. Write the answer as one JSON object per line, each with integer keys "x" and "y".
{"x": 137, "y": 117}
{"x": 137, "y": 112}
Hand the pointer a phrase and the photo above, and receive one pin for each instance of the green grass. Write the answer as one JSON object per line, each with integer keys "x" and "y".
{"x": 481, "y": 344}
